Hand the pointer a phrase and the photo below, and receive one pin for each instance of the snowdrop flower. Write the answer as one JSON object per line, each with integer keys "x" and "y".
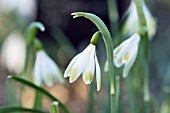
{"x": 85, "y": 63}
{"x": 13, "y": 52}
{"x": 126, "y": 53}
{"x": 46, "y": 70}
{"x": 131, "y": 23}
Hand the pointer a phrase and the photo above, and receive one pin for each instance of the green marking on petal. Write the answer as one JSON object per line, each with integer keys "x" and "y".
{"x": 88, "y": 77}
{"x": 73, "y": 74}
{"x": 49, "y": 78}
{"x": 127, "y": 56}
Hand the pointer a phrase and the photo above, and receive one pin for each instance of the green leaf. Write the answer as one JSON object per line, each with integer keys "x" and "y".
{"x": 54, "y": 107}
{"x": 40, "y": 89}
{"x": 18, "y": 109}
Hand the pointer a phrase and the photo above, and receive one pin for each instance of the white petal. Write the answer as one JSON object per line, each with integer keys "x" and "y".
{"x": 150, "y": 21}
{"x": 37, "y": 71}
{"x": 120, "y": 51}
{"x": 132, "y": 58}
{"x": 88, "y": 73}
{"x": 131, "y": 24}
{"x": 132, "y": 48}
{"x": 106, "y": 66}
{"x": 70, "y": 66}
{"x": 98, "y": 74}
{"x": 80, "y": 64}
{"x": 53, "y": 69}
{"x": 47, "y": 69}
{"x": 59, "y": 76}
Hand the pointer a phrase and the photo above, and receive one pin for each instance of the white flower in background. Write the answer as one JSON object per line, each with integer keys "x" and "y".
{"x": 13, "y": 52}
{"x": 26, "y": 8}
{"x": 126, "y": 53}
{"x": 85, "y": 63}
{"x": 131, "y": 23}
{"x": 46, "y": 70}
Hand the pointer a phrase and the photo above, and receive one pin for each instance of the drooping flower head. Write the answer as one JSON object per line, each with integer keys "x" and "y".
{"x": 131, "y": 21}
{"x": 46, "y": 70}
{"x": 85, "y": 63}
{"x": 126, "y": 53}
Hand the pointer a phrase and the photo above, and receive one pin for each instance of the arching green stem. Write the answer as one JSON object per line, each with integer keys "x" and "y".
{"x": 31, "y": 41}
{"x": 30, "y": 34}
{"x": 109, "y": 47}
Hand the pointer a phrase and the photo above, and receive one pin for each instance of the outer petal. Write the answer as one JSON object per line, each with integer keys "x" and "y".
{"x": 106, "y": 66}
{"x": 37, "y": 70}
{"x": 132, "y": 58}
{"x": 98, "y": 74}
{"x": 70, "y": 66}
{"x": 80, "y": 64}
{"x": 131, "y": 25}
{"x": 132, "y": 48}
{"x": 120, "y": 51}
{"x": 60, "y": 77}
{"x": 151, "y": 24}
{"x": 53, "y": 70}
{"x": 47, "y": 69}
{"x": 88, "y": 73}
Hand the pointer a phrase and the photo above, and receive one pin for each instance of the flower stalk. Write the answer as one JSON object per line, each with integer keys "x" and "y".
{"x": 144, "y": 53}
{"x": 29, "y": 37}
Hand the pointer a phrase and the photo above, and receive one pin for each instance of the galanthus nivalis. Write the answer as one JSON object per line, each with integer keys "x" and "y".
{"x": 85, "y": 63}
{"x": 126, "y": 53}
{"x": 46, "y": 70}
{"x": 131, "y": 21}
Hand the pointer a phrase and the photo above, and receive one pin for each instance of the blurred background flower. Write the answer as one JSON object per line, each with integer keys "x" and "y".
{"x": 13, "y": 52}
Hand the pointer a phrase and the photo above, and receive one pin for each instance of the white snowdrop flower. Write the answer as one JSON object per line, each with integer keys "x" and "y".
{"x": 126, "y": 53}
{"x": 45, "y": 70}
{"x": 131, "y": 23}
{"x": 13, "y": 52}
{"x": 85, "y": 63}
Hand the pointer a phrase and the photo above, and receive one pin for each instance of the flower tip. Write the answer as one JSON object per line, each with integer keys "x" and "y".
{"x": 87, "y": 82}
{"x": 71, "y": 80}
{"x": 66, "y": 75}
{"x": 98, "y": 89}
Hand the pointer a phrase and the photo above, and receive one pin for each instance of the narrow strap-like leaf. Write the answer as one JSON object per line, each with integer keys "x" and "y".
{"x": 19, "y": 109}
{"x": 42, "y": 90}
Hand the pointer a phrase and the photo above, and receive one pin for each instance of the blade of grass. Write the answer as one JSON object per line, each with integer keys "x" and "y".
{"x": 40, "y": 89}
{"x": 19, "y": 109}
